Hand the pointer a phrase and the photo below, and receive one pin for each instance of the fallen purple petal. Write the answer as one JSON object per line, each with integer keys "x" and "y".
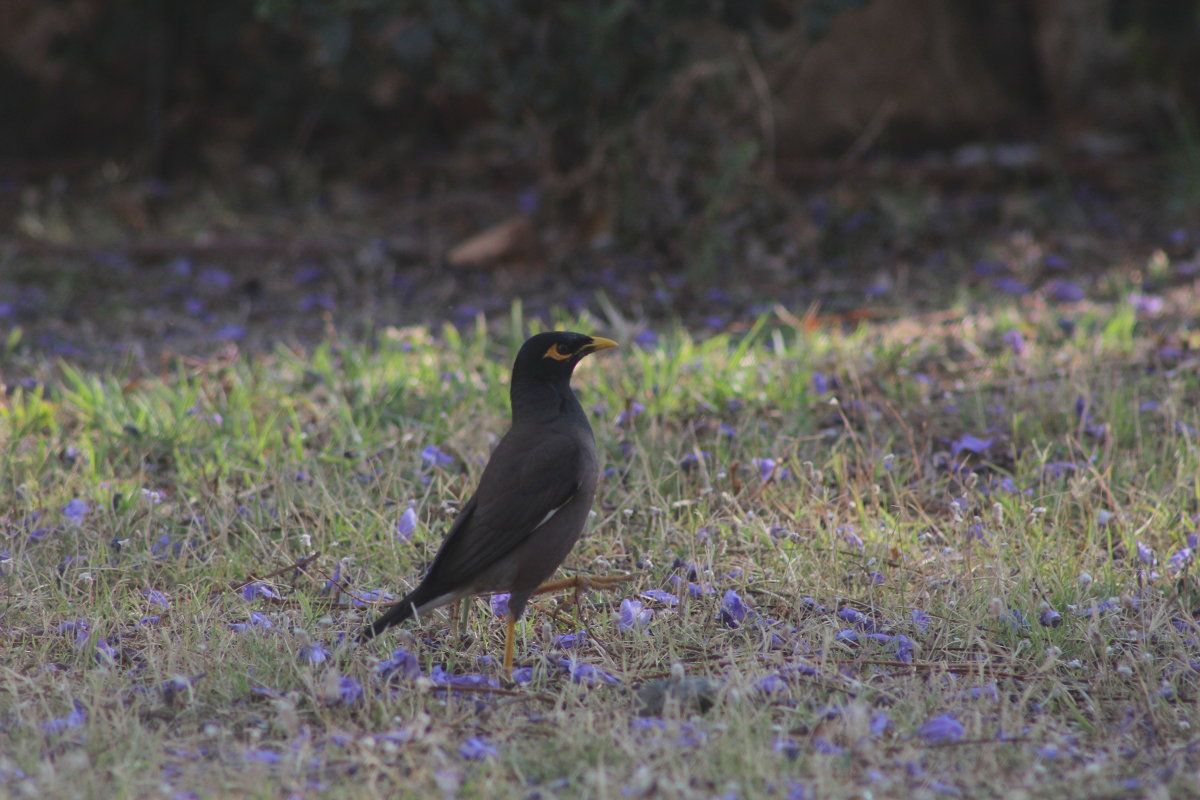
{"x": 585, "y": 673}
{"x": 401, "y": 664}
{"x": 75, "y": 511}
{"x": 1015, "y": 341}
{"x": 633, "y": 615}
{"x": 500, "y": 604}
{"x": 406, "y": 525}
{"x": 477, "y": 749}
{"x": 74, "y": 719}
{"x": 313, "y": 653}
{"x": 942, "y": 729}
{"x": 256, "y": 589}
{"x": 733, "y": 610}
{"x": 660, "y": 596}
{"x": 431, "y": 456}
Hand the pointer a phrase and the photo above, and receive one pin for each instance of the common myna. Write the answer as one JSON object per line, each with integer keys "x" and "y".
{"x": 533, "y": 498}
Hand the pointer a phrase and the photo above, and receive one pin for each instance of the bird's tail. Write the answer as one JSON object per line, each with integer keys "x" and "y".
{"x": 393, "y": 616}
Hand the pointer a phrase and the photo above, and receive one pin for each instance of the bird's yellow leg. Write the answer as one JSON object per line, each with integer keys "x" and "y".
{"x": 509, "y": 632}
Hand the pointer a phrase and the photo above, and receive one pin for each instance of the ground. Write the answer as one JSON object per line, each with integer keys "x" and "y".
{"x": 907, "y": 499}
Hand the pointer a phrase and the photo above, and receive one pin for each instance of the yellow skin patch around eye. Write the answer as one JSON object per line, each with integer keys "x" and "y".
{"x": 554, "y": 353}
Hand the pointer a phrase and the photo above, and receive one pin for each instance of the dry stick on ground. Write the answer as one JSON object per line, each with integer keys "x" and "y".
{"x": 300, "y": 564}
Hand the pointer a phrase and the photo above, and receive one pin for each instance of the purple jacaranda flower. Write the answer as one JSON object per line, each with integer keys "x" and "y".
{"x": 231, "y": 332}
{"x": 1146, "y": 304}
{"x": 316, "y": 301}
{"x": 880, "y": 722}
{"x": 256, "y": 589}
{"x": 820, "y": 384}
{"x": 824, "y": 747}
{"x": 875, "y": 577}
{"x": 1180, "y": 560}
{"x": 1102, "y": 607}
{"x": 350, "y": 691}
{"x": 500, "y": 604}
{"x": 856, "y": 618}
{"x": 331, "y": 585}
{"x": 522, "y": 675}
{"x": 660, "y": 596}
{"x": 402, "y": 664}
{"x": 406, "y": 525}
{"x": 81, "y": 629}
{"x": 766, "y": 468}
{"x": 693, "y": 589}
{"x": 1055, "y": 262}
{"x": 369, "y": 597}
{"x": 313, "y": 653}
{"x": 1061, "y": 290}
{"x": 257, "y": 620}
{"x": 975, "y": 533}
{"x": 74, "y": 719}
{"x": 105, "y": 652}
{"x": 162, "y": 546}
{"x": 633, "y": 616}
{"x": 1015, "y": 341}
{"x": 989, "y": 691}
{"x": 570, "y": 640}
{"x": 1010, "y": 285}
{"x": 442, "y": 678}
{"x": 585, "y": 673}
{"x": 942, "y": 729}
{"x": 1146, "y": 406}
{"x": 733, "y": 610}
{"x": 214, "y": 279}
{"x": 788, "y": 748}
{"x": 770, "y": 684}
{"x": 631, "y": 412}
{"x": 797, "y": 791}
{"x": 646, "y": 340}
{"x": 477, "y": 749}
{"x": 177, "y": 685}
{"x": 432, "y": 456}
{"x": 261, "y": 755}
{"x": 850, "y": 536}
{"x": 1145, "y": 554}
{"x": 971, "y": 444}
{"x": 156, "y": 597}
{"x": 1016, "y": 621}
{"x": 1049, "y": 618}
{"x": 1055, "y": 470}
{"x": 726, "y": 430}
{"x": 691, "y": 735}
{"x": 986, "y": 268}
{"x": 75, "y": 511}
{"x": 846, "y": 636}
{"x": 921, "y": 620}
{"x": 903, "y": 647}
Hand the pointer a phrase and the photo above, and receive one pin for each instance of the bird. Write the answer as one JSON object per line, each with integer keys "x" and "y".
{"x": 533, "y": 498}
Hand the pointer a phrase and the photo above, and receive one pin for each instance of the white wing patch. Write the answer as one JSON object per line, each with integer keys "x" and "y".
{"x": 550, "y": 514}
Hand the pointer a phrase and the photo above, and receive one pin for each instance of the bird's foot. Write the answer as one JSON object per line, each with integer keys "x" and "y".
{"x": 583, "y": 583}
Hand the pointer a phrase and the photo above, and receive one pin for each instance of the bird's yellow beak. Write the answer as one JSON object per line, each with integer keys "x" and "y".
{"x": 600, "y": 343}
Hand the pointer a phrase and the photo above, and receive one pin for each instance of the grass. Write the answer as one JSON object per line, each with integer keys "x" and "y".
{"x": 926, "y": 614}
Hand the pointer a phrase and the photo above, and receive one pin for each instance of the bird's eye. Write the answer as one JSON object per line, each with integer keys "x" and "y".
{"x": 558, "y": 352}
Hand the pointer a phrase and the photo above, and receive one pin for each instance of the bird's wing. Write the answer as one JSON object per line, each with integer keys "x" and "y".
{"x": 525, "y": 482}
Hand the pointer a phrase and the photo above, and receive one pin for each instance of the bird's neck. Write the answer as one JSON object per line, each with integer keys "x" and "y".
{"x": 536, "y": 402}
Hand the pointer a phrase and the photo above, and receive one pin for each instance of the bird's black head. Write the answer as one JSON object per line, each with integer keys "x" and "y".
{"x": 547, "y": 360}
{"x": 554, "y": 354}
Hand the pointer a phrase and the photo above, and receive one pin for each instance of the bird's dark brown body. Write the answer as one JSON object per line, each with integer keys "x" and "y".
{"x": 534, "y": 495}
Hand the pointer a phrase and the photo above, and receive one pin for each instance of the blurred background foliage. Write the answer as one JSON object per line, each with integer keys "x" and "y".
{"x": 643, "y": 119}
